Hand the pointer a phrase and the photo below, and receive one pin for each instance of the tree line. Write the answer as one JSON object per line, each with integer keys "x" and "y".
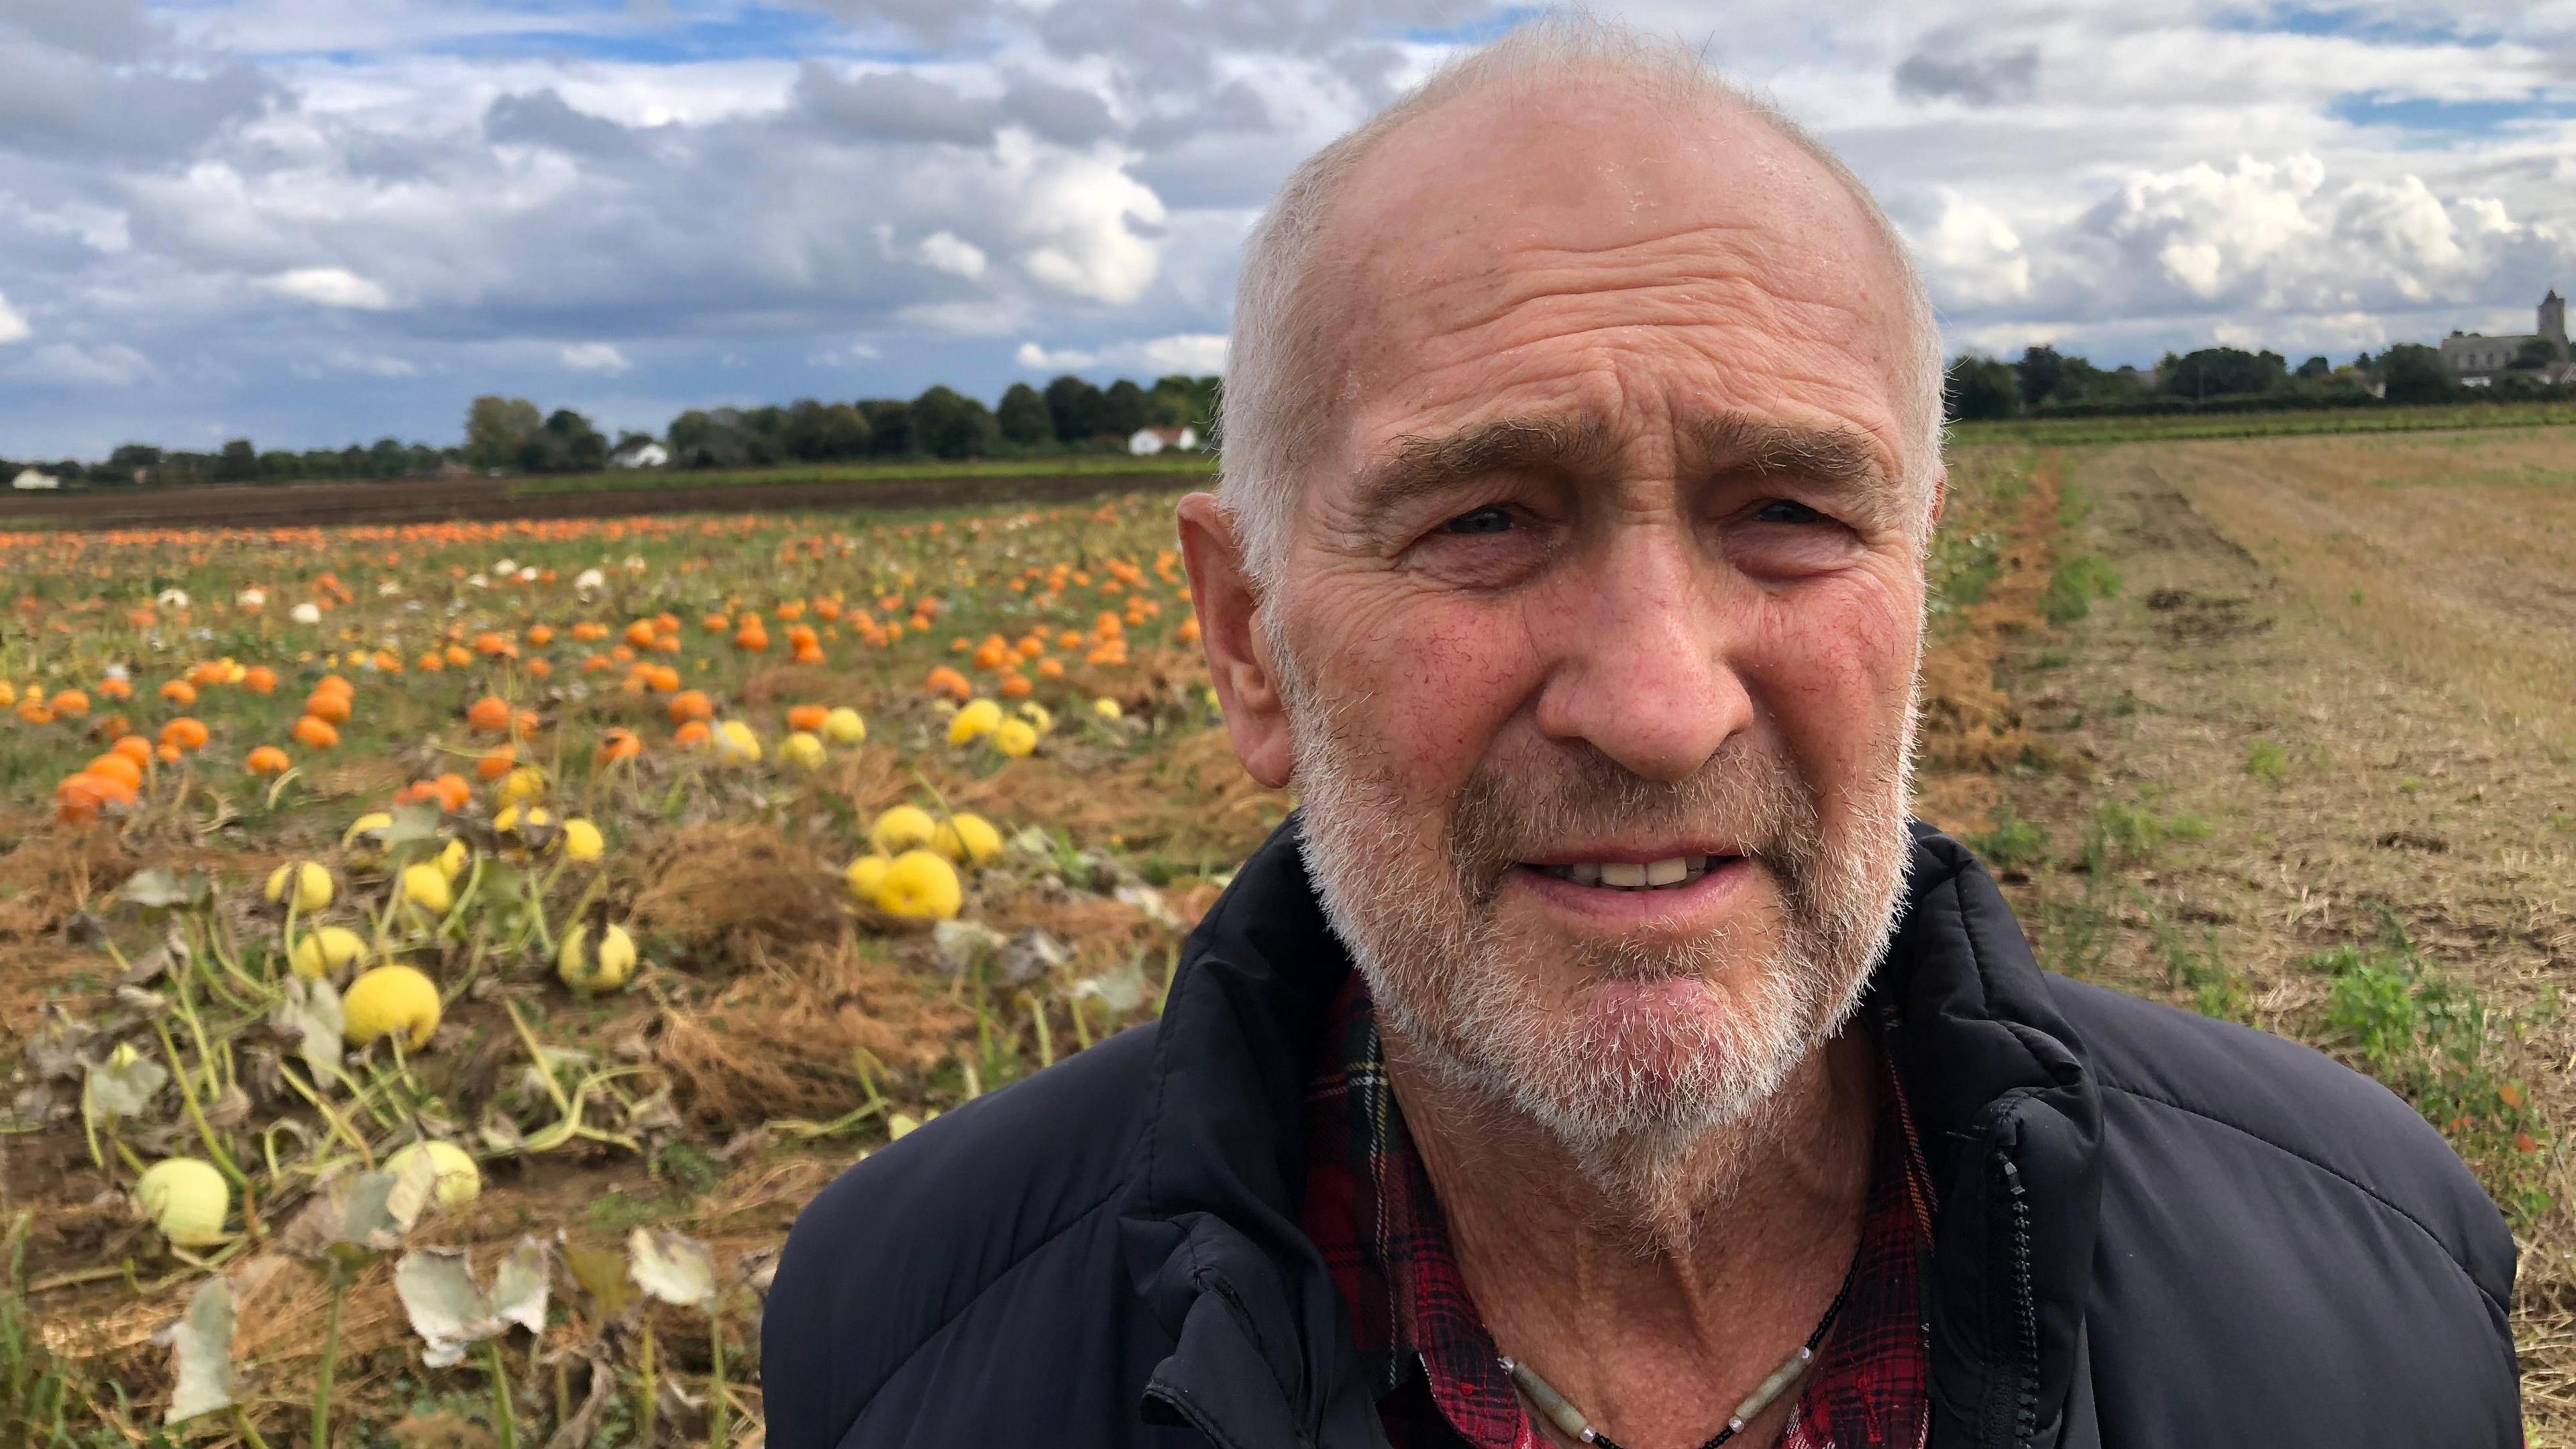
{"x": 238, "y": 462}
{"x": 513, "y": 435}
{"x": 2047, "y": 383}
{"x": 1070, "y": 415}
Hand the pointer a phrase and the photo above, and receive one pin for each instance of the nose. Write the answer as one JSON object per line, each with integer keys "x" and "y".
{"x": 1642, "y": 641}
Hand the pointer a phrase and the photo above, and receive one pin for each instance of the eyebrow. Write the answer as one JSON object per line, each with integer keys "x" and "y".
{"x": 1421, "y": 466}
{"x": 1735, "y": 443}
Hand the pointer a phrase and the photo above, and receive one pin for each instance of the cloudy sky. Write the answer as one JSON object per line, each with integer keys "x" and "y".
{"x": 316, "y": 221}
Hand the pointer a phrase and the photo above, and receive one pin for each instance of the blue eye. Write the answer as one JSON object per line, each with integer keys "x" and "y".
{"x": 1483, "y": 520}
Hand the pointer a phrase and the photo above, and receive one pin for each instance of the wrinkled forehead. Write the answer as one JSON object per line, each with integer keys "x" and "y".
{"x": 1688, "y": 240}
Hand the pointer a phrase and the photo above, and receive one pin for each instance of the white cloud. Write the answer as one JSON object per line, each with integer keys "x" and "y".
{"x": 1190, "y": 352}
{"x": 1193, "y": 352}
{"x": 349, "y": 361}
{"x": 331, "y": 287}
{"x": 601, "y": 357}
{"x": 111, "y": 364}
{"x": 948, "y": 252}
{"x": 1039, "y": 359}
{"x": 1977, "y": 259}
{"x": 987, "y": 188}
{"x": 13, "y": 323}
{"x": 1077, "y": 218}
{"x": 2203, "y": 227}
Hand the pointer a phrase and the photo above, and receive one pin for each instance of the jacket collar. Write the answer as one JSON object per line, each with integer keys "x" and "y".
{"x": 1264, "y": 1354}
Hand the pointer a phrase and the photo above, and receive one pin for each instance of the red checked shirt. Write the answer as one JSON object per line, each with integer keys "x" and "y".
{"x": 1434, "y": 1370}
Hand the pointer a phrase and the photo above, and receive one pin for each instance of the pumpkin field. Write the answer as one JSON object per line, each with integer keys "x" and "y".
{"x": 387, "y": 909}
{"x": 437, "y": 960}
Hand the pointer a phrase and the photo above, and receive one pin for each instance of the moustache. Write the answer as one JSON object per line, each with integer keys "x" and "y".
{"x": 1507, "y": 813}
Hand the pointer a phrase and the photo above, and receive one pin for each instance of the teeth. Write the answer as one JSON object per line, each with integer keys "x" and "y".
{"x": 1630, "y": 876}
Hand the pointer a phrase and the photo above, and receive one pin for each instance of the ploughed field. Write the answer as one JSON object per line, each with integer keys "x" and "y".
{"x": 438, "y": 959}
{"x": 2284, "y": 730}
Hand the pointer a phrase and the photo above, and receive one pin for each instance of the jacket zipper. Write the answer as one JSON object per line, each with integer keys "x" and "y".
{"x": 2024, "y": 1308}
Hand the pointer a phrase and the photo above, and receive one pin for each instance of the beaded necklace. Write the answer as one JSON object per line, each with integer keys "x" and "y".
{"x": 1570, "y": 1419}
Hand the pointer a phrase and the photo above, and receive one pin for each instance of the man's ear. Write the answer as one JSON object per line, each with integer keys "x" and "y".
{"x": 1940, "y": 495}
{"x": 1222, "y": 591}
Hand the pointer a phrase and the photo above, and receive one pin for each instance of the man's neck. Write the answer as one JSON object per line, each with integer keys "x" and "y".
{"x": 1654, "y": 1306}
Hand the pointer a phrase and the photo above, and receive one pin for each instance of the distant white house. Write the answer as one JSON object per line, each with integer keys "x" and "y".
{"x": 1145, "y": 442}
{"x": 30, "y": 480}
{"x": 641, "y": 455}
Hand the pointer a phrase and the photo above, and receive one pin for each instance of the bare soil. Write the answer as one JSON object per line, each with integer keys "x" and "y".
{"x": 441, "y": 500}
{"x": 2333, "y": 686}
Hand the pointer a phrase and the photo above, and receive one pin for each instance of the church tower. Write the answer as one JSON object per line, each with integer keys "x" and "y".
{"x": 2553, "y": 318}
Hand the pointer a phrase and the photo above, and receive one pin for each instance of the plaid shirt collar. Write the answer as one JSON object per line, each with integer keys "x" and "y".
{"x": 1432, "y": 1368}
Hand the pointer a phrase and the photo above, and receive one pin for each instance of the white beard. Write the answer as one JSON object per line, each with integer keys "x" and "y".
{"x": 1659, "y": 1109}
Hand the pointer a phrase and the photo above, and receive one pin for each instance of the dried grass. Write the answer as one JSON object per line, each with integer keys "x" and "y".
{"x": 782, "y": 1041}
{"x": 1969, "y": 723}
{"x": 53, "y": 874}
{"x": 2454, "y": 564}
{"x": 732, "y": 888}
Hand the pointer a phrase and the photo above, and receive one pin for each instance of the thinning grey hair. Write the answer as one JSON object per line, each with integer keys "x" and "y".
{"x": 1279, "y": 404}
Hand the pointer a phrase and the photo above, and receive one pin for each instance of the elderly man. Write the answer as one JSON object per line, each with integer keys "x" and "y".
{"x": 1602, "y": 1056}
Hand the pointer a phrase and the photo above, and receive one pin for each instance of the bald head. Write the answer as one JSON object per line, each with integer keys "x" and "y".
{"x": 1571, "y": 190}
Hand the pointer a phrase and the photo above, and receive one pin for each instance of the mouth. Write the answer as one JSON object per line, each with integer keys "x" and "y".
{"x": 1665, "y": 873}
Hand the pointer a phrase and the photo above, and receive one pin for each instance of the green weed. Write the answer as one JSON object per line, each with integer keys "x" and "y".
{"x": 34, "y": 1392}
{"x": 2267, "y": 762}
{"x": 2437, "y": 1043}
{"x": 2200, "y": 968}
{"x": 2073, "y": 586}
{"x": 2013, "y": 843}
{"x": 2075, "y": 937}
{"x": 2127, "y": 832}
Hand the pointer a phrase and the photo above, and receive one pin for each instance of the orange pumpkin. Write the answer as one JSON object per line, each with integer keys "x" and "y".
{"x": 453, "y": 793}
{"x": 619, "y": 744}
{"x": 329, "y": 706}
{"x": 259, "y": 679}
{"x": 496, "y": 762}
{"x": 81, "y": 798}
{"x": 135, "y": 748}
{"x": 115, "y": 767}
{"x": 267, "y": 760}
{"x": 315, "y": 732}
{"x": 691, "y": 735}
{"x": 186, "y": 732}
{"x": 70, "y": 704}
{"x": 690, "y": 705}
{"x": 490, "y": 714}
{"x": 806, "y": 717}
